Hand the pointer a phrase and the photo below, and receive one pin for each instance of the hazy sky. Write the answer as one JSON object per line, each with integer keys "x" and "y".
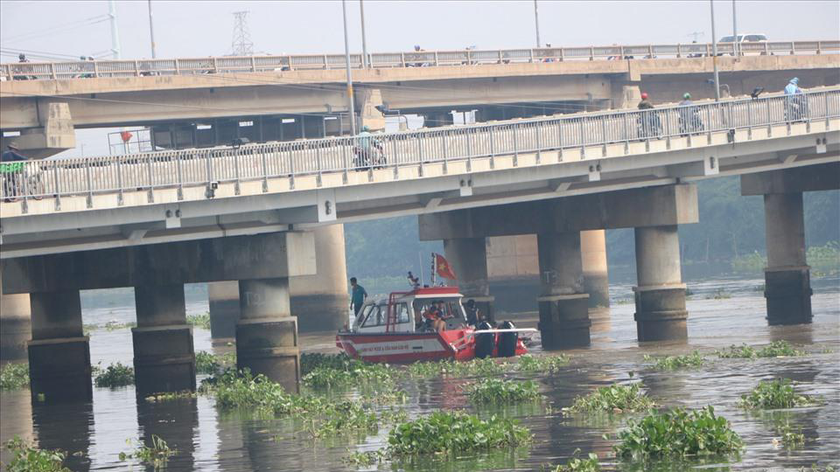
{"x": 68, "y": 29}
{"x": 184, "y": 28}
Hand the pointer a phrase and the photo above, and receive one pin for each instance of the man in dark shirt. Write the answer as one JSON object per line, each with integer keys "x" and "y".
{"x": 358, "y": 296}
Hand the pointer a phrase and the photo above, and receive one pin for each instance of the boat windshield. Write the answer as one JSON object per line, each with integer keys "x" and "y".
{"x": 450, "y": 310}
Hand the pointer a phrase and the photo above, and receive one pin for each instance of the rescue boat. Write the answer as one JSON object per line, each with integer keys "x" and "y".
{"x": 398, "y": 330}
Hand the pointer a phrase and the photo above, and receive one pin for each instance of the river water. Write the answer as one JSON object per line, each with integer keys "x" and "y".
{"x": 207, "y": 439}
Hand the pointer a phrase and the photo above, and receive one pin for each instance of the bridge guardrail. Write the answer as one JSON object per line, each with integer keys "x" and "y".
{"x": 203, "y": 167}
{"x": 237, "y": 64}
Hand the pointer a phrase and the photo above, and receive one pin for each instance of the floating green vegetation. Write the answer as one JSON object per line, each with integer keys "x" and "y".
{"x": 115, "y": 325}
{"x": 89, "y": 328}
{"x": 157, "y": 455}
{"x": 818, "y": 468}
{"x": 443, "y": 432}
{"x": 777, "y": 394}
{"x": 774, "y": 349}
{"x": 115, "y": 375}
{"x": 472, "y": 368}
{"x": 553, "y": 363}
{"x": 503, "y": 391}
{"x": 678, "y": 432}
{"x": 14, "y": 376}
{"x": 209, "y": 363}
{"x": 350, "y": 372}
{"x": 27, "y": 458}
{"x": 201, "y": 321}
{"x": 719, "y": 294}
{"x": 613, "y": 399}
{"x": 169, "y": 396}
{"x": 311, "y": 360}
{"x": 324, "y": 417}
{"x": 576, "y": 464}
{"x": 695, "y": 359}
{"x": 366, "y": 458}
{"x": 789, "y": 437}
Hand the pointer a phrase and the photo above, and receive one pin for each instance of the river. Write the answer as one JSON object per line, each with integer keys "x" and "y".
{"x": 210, "y": 440}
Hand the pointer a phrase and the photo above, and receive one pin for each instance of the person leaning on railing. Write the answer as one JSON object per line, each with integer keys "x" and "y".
{"x": 12, "y": 164}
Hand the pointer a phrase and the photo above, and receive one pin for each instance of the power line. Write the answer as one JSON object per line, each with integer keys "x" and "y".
{"x": 241, "y": 44}
{"x": 55, "y": 29}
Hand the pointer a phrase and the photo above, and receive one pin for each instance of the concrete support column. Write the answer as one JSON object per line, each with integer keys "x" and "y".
{"x": 593, "y": 251}
{"x": 59, "y": 354}
{"x": 320, "y": 301}
{"x": 224, "y": 308}
{"x": 266, "y": 335}
{"x": 15, "y": 325}
{"x": 787, "y": 276}
{"x": 660, "y": 294}
{"x": 164, "y": 357}
{"x": 563, "y": 305}
{"x": 468, "y": 257}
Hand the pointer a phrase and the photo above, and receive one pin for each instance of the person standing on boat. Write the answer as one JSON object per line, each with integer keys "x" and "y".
{"x": 358, "y": 296}
{"x": 473, "y": 315}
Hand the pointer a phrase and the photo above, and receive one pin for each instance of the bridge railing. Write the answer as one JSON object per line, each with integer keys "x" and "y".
{"x": 203, "y": 167}
{"x": 228, "y": 64}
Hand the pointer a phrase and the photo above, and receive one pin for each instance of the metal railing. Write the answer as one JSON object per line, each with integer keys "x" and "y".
{"x": 207, "y": 167}
{"x": 227, "y": 64}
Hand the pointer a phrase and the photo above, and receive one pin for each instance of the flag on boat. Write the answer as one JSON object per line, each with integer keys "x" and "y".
{"x": 443, "y": 268}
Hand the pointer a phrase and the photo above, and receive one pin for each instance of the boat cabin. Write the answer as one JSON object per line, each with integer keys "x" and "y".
{"x": 403, "y": 312}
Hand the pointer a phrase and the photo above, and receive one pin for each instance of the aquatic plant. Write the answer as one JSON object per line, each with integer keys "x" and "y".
{"x": 777, "y": 394}
{"x": 14, "y": 376}
{"x": 774, "y": 349}
{"x": 350, "y": 372}
{"x": 503, "y": 391}
{"x": 115, "y": 325}
{"x": 695, "y": 359}
{"x": 169, "y": 396}
{"x": 444, "y": 431}
{"x": 576, "y": 464}
{"x": 552, "y": 363}
{"x": 719, "y": 294}
{"x": 115, "y": 375}
{"x": 201, "y": 321}
{"x": 366, "y": 458}
{"x": 28, "y": 458}
{"x": 472, "y": 368}
{"x": 613, "y": 399}
{"x": 156, "y": 455}
{"x": 678, "y": 432}
{"x": 311, "y": 360}
{"x": 342, "y": 417}
{"x": 790, "y": 438}
{"x": 209, "y": 363}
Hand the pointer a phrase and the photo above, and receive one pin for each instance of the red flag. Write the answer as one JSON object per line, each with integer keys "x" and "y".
{"x": 125, "y": 135}
{"x": 443, "y": 268}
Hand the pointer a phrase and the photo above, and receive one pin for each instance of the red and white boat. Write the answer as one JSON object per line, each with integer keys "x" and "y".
{"x": 395, "y": 331}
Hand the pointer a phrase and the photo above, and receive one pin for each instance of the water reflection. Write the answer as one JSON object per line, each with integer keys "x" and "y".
{"x": 174, "y": 421}
{"x": 68, "y": 427}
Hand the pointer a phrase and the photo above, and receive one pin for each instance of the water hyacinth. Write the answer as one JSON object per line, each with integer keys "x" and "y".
{"x": 576, "y": 464}
{"x": 774, "y": 349}
{"x": 28, "y": 458}
{"x": 209, "y": 363}
{"x": 614, "y": 399}
{"x": 503, "y": 391}
{"x": 115, "y": 375}
{"x": 14, "y": 376}
{"x": 443, "y": 432}
{"x": 777, "y": 394}
{"x": 553, "y": 363}
{"x": 695, "y": 359}
{"x": 678, "y": 433}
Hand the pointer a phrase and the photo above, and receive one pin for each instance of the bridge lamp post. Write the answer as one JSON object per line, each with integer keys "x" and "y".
{"x": 365, "y": 62}
{"x": 350, "y": 106}
{"x": 736, "y": 47}
{"x": 151, "y": 30}
{"x": 537, "y": 23}
{"x": 714, "y": 52}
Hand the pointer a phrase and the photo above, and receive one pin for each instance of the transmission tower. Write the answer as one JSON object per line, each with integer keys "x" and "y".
{"x": 242, "y": 44}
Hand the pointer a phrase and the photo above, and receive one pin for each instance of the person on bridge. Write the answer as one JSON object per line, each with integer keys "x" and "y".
{"x": 645, "y": 103}
{"x": 12, "y": 164}
{"x": 649, "y": 125}
{"x": 689, "y": 116}
{"x": 795, "y": 102}
{"x": 358, "y": 296}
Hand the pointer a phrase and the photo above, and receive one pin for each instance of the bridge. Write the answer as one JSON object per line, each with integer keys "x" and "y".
{"x": 201, "y": 102}
{"x": 158, "y": 220}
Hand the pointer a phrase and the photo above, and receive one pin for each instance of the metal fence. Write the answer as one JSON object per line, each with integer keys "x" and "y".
{"x": 223, "y": 65}
{"x": 206, "y": 167}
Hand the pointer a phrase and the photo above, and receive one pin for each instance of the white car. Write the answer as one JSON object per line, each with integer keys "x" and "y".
{"x": 747, "y": 43}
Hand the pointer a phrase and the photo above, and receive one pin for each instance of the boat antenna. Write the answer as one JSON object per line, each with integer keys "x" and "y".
{"x": 434, "y": 260}
{"x": 420, "y": 260}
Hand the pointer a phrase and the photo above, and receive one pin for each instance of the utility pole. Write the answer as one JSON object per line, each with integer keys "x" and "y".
{"x": 115, "y": 34}
{"x": 736, "y": 47}
{"x": 152, "y": 30}
{"x": 714, "y": 52}
{"x": 365, "y": 61}
{"x": 241, "y": 44}
{"x": 350, "y": 106}
{"x": 537, "y": 23}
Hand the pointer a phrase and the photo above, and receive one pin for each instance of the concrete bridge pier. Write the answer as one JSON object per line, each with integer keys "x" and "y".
{"x": 164, "y": 358}
{"x": 787, "y": 278}
{"x": 224, "y": 309}
{"x": 15, "y": 325}
{"x": 59, "y": 354}
{"x": 468, "y": 257}
{"x": 660, "y": 293}
{"x": 266, "y": 335}
{"x": 563, "y": 304}
{"x": 593, "y": 251}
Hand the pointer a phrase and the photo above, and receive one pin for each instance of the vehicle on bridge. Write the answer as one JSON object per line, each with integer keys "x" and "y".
{"x": 401, "y": 330}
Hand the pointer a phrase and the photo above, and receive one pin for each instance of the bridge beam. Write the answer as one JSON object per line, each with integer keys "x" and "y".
{"x": 563, "y": 304}
{"x": 54, "y": 136}
{"x": 660, "y": 293}
{"x": 59, "y": 352}
{"x": 164, "y": 358}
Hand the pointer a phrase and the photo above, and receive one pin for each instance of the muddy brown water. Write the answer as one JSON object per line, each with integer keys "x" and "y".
{"x": 211, "y": 440}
